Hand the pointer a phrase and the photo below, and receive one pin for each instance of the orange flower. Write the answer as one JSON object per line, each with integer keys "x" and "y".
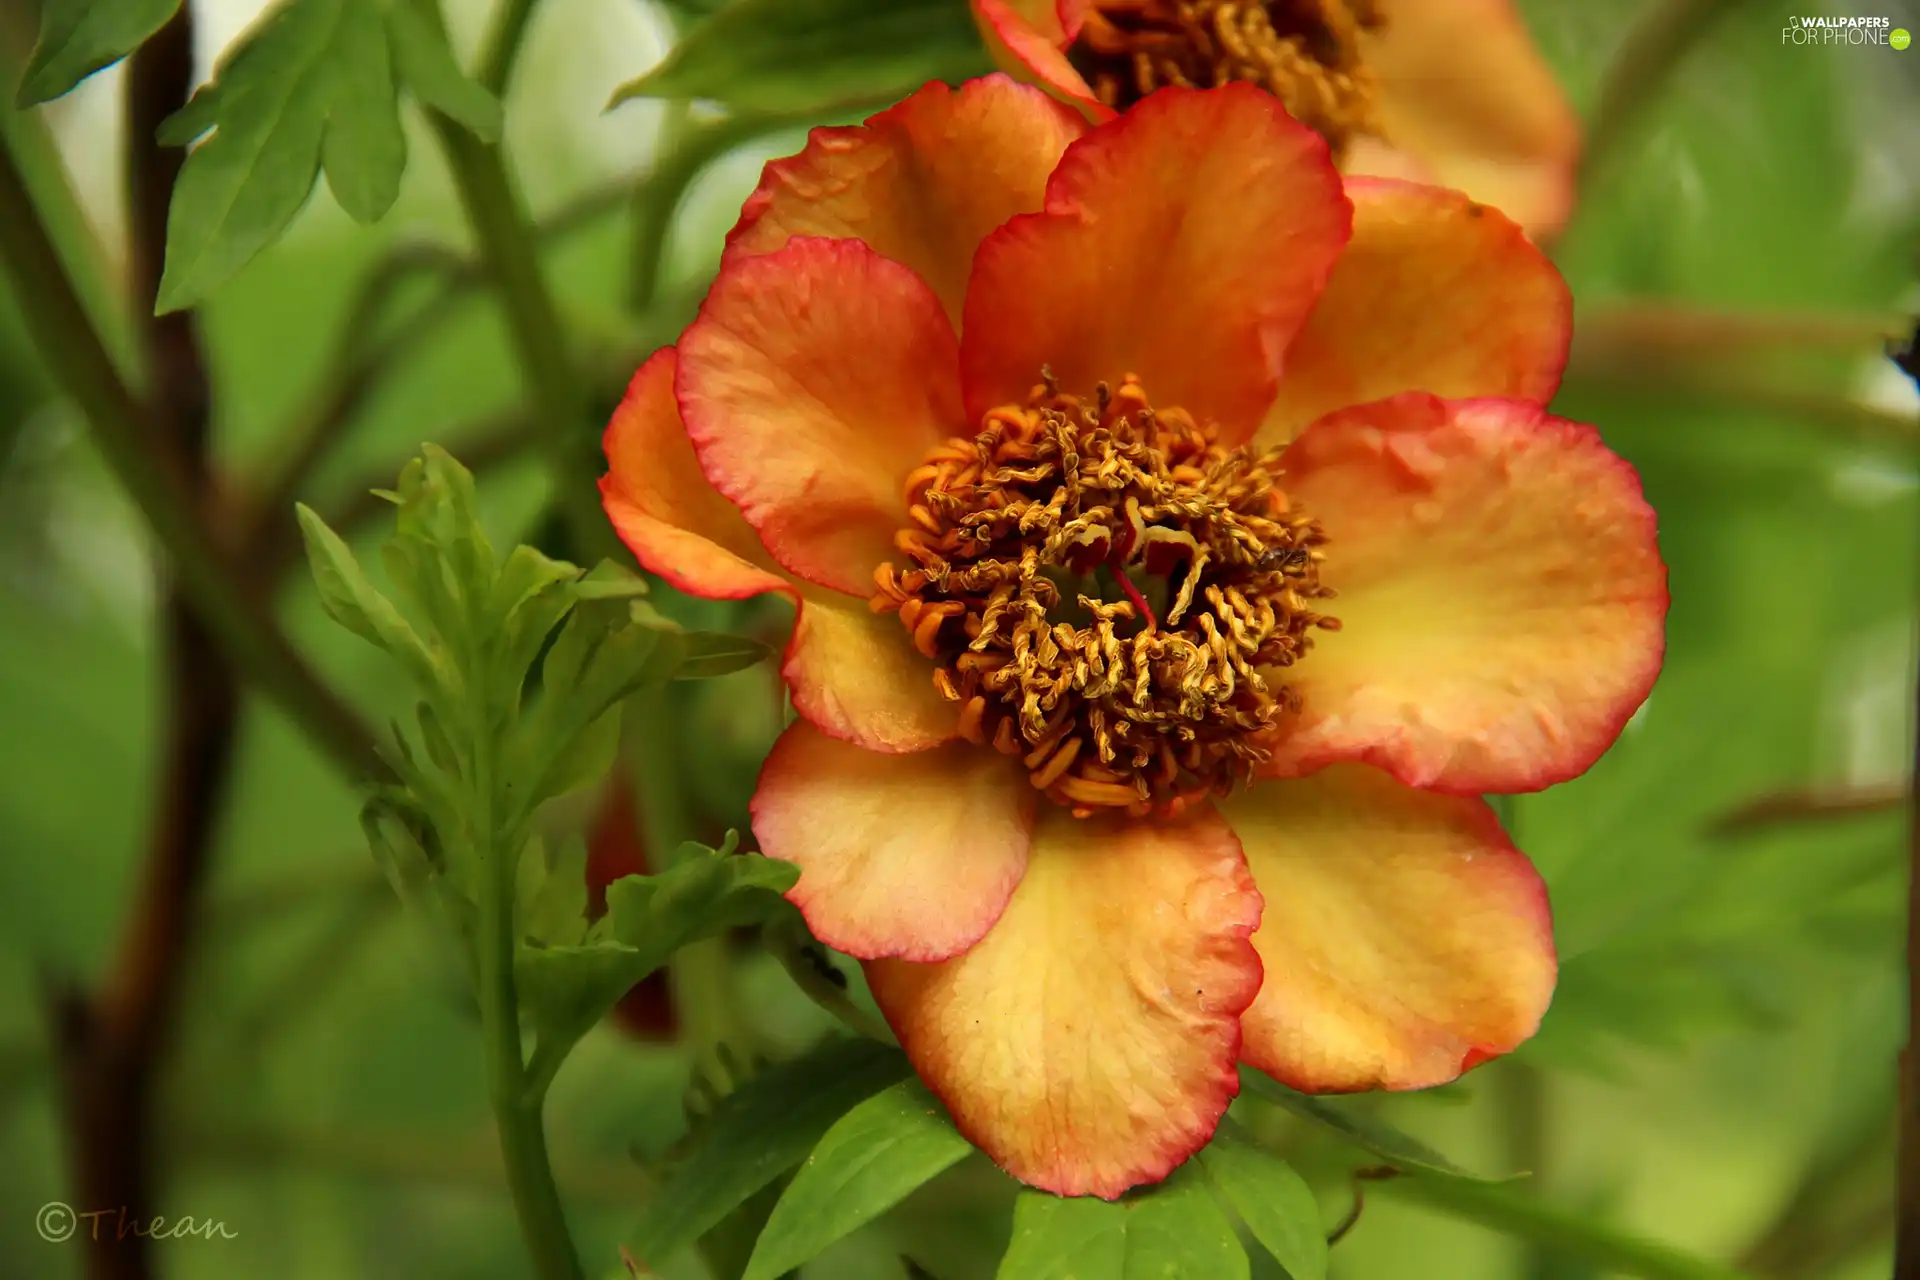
{"x": 996, "y": 399}
{"x": 1447, "y": 91}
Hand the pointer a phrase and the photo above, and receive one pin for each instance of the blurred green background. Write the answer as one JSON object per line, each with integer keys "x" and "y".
{"x": 1718, "y": 1069}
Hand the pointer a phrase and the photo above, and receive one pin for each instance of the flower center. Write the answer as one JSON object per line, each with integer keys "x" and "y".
{"x": 1101, "y": 586}
{"x": 1304, "y": 52}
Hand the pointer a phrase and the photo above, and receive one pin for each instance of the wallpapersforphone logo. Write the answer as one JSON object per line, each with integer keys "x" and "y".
{"x": 58, "y": 1222}
{"x": 1843, "y": 31}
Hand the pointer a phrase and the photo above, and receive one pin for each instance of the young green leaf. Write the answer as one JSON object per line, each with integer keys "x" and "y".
{"x": 585, "y": 761}
{"x": 1376, "y": 1136}
{"x": 427, "y": 65}
{"x": 353, "y": 602}
{"x": 1273, "y": 1200}
{"x": 814, "y": 55}
{"x": 1172, "y": 1230}
{"x": 759, "y": 1132}
{"x": 311, "y": 81}
{"x": 707, "y": 893}
{"x": 365, "y": 151}
{"x": 78, "y": 37}
{"x": 871, "y": 1159}
{"x": 567, "y": 989}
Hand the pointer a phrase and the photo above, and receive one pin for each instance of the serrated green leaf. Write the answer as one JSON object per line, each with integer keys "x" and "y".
{"x": 365, "y": 151}
{"x": 353, "y": 602}
{"x": 187, "y": 124}
{"x": 1273, "y": 1200}
{"x": 709, "y": 654}
{"x": 241, "y": 187}
{"x": 815, "y": 55}
{"x": 78, "y": 37}
{"x": 1376, "y": 1136}
{"x": 759, "y": 1132}
{"x": 1169, "y": 1232}
{"x": 871, "y": 1159}
{"x": 428, "y": 67}
{"x": 311, "y": 79}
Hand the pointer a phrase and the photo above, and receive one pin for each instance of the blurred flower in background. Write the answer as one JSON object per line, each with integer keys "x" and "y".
{"x": 1446, "y": 91}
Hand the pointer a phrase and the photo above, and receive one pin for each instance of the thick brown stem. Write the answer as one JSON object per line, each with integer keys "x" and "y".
{"x": 115, "y": 1041}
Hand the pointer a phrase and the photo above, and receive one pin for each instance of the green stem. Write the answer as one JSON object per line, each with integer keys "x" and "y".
{"x": 700, "y": 974}
{"x": 506, "y": 36}
{"x": 517, "y": 1110}
{"x": 153, "y": 477}
{"x": 688, "y": 152}
{"x": 506, "y": 241}
{"x": 1527, "y": 1217}
{"x": 1640, "y": 71}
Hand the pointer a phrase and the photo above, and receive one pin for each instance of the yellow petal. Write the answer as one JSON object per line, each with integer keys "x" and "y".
{"x": 922, "y": 182}
{"x": 1087, "y": 1042}
{"x": 909, "y": 856}
{"x": 857, "y": 676}
{"x": 1434, "y": 293}
{"x": 1404, "y": 939}
{"x": 1501, "y": 595}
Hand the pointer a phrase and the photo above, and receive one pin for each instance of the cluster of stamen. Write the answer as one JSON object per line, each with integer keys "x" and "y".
{"x": 1307, "y": 53}
{"x": 1107, "y": 593}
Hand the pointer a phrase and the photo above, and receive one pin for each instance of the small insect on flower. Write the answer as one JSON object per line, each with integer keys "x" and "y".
{"x": 1449, "y": 91}
{"x": 1180, "y": 548}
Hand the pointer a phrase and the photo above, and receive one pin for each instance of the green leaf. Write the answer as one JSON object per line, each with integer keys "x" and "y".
{"x": 187, "y": 124}
{"x": 1273, "y": 1200}
{"x": 700, "y": 894}
{"x": 311, "y": 79}
{"x": 427, "y": 65}
{"x": 353, "y": 602}
{"x": 1171, "y": 1232}
{"x": 78, "y": 37}
{"x": 814, "y": 55}
{"x": 551, "y": 893}
{"x": 586, "y": 761}
{"x": 365, "y": 151}
{"x": 610, "y": 581}
{"x": 759, "y": 1132}
{"x": 709, "y": 654}
{"x": 871, "y": 1159}
{"x": 1382, "y": 1139}
{"x": 566, "y": 989}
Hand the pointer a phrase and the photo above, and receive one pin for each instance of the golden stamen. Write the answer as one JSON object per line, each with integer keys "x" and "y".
{"x": 1125, "y": 590}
